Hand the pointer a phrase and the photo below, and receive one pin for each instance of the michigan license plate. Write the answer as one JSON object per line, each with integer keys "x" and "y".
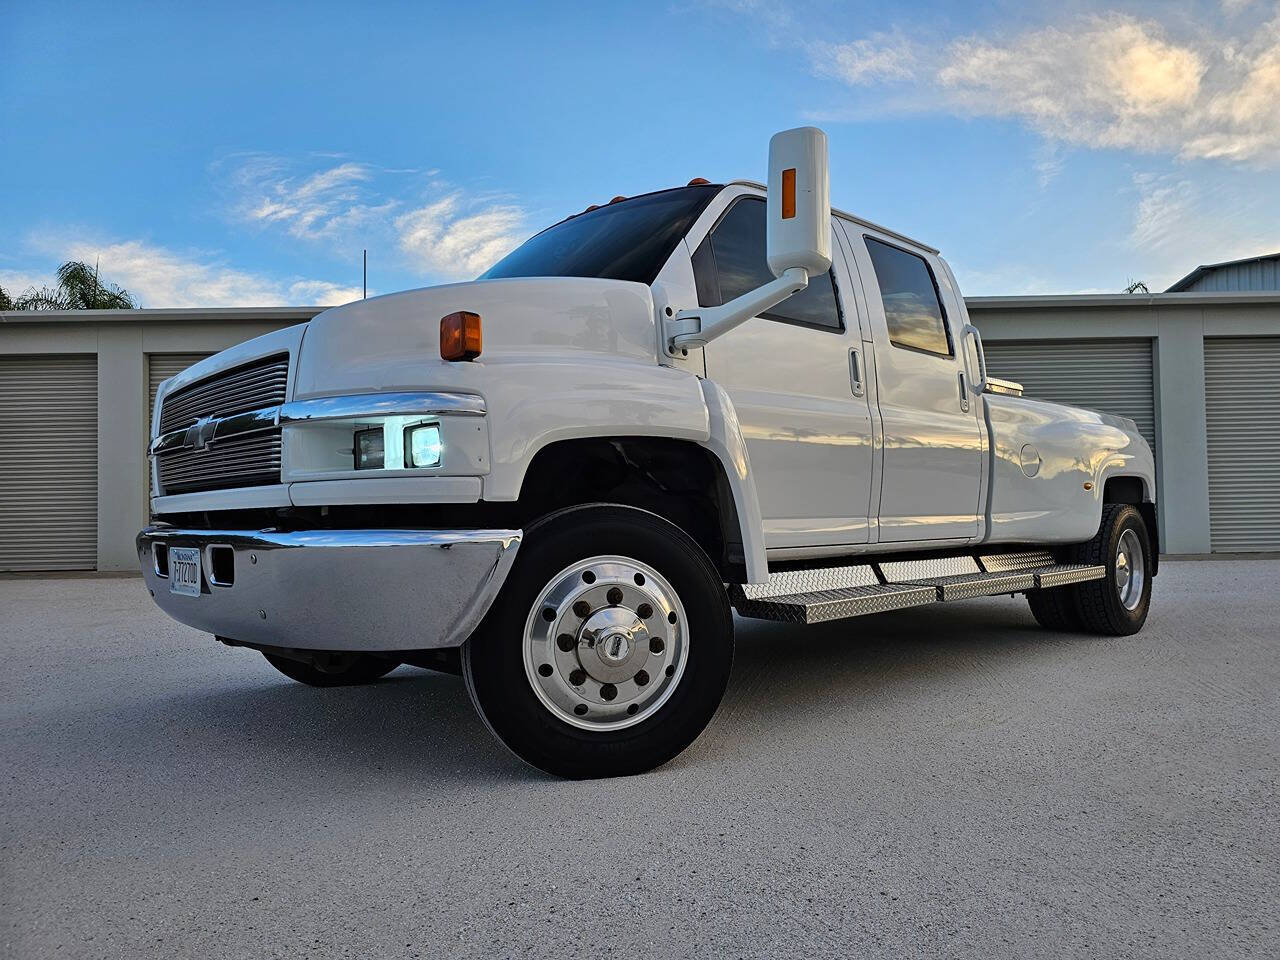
{"x": 184, "y": 571}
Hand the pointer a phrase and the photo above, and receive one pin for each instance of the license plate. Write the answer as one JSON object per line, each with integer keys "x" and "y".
{"x": 184, "y": 571}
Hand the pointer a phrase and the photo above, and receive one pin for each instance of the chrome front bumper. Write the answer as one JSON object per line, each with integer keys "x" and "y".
{"x": 335, "y": 589}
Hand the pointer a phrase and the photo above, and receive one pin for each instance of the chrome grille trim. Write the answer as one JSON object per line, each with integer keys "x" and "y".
{"x": 233, "y": 401}
{"x": 248, "y": 461}
{"x": 252, "y": 386}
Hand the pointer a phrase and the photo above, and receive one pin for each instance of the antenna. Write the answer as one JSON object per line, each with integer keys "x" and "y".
{"x": 364, "y": 293}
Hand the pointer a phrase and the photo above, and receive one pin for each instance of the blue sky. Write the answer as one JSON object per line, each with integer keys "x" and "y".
{"x": 244, "y": 154}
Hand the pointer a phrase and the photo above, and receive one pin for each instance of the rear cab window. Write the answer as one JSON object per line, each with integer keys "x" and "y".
{"x": 731, "y": 261}
{"x": 913, "y": 309}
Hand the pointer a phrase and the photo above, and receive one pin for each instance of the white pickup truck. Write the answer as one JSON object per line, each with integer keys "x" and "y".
{"x": 559, "y": 479}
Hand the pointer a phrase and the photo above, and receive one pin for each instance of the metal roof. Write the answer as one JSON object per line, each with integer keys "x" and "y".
{"x": 1103, "y": 300}
{"x": 297, "y": 314}
{"x": 1205, "y": 268}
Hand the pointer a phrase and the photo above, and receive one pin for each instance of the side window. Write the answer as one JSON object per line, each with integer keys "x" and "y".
{"x": 731, "y": 261}
{"x": 912, "y": 307}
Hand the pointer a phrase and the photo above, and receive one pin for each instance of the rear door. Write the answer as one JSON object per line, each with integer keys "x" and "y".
{"x": 808, "y": 430}
{"x": 934, "y": 442}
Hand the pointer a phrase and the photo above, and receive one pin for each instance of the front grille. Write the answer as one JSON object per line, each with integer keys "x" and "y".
{"x": 249, "y": 387}
{"x": 244, "y": 462}
{"x": 241, "y": 462}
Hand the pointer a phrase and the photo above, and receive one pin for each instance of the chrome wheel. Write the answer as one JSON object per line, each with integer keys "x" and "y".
{"x": 606, "y": 642}
{"x": 1130, "y": 570}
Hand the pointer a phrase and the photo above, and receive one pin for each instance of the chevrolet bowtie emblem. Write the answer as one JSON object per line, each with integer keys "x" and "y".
{"x": 200, "y": 433}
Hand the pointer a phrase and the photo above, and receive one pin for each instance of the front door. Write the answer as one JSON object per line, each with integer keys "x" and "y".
{"x": 788, "y": 374}
{"x": 933, "y": 439}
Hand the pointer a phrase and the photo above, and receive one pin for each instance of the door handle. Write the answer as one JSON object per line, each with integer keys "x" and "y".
{"x": 964, "y": 394}
{"x": 855, "y": 372}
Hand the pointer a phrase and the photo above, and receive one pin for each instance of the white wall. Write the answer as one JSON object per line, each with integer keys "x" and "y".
{"x": 1176, "y": 323}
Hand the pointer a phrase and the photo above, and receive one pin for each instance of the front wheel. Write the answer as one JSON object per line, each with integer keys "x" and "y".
{"x": 609, "y": 649}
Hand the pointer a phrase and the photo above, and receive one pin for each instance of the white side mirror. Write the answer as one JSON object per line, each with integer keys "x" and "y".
{"x": 799, "y": 206}
{"x": 798, "y": 240}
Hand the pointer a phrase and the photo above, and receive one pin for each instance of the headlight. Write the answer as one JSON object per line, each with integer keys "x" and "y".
{"x": 422, "y": 444}
{"x": 369, "y": 449}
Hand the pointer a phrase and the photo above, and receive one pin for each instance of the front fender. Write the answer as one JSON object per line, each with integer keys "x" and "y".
{"x": 537, "y": 402}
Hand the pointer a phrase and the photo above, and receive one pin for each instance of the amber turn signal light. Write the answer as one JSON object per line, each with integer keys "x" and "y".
{"x": 460, "y": 336}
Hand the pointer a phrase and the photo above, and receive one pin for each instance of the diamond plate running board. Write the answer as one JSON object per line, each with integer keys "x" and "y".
{"x": 965, "y": 585}
{"x": 1067, "y": 573}
{"x": 837, "y": 593}
{"x": 837, "y": 604}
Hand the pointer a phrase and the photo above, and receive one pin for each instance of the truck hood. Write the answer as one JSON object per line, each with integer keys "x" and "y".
{"x": 392, "y": 342}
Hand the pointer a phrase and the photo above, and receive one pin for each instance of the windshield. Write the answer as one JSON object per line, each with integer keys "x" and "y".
{"x": 627, "y": 240}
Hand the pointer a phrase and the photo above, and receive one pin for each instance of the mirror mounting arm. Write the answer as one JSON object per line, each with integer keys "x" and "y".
{"x": 698, "y": 327}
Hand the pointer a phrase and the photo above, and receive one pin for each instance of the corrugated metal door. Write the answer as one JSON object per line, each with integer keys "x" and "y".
{"x": 1113, "y": 376}
{"x": 49, "y": 462}
{"x": 1242, "y": 414}
{"x": 162, "y": 366}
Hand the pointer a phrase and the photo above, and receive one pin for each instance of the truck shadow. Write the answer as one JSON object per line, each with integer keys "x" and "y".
{"x": 418, "y": 727}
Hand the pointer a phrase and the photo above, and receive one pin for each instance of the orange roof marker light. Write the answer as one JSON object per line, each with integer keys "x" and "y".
{"x": 460, "y": 337}
{"x": 617, "y": 199}
{"x": 697, "y": 182}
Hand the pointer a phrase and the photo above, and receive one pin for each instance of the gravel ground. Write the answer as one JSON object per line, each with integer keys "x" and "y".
{"x": 949, "y": 781}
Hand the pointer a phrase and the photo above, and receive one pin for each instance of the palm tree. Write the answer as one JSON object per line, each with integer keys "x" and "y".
{"x": 79, "y": 288}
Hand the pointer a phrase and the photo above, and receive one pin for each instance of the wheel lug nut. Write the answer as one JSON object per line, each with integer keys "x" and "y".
{"x": 578, "y": 677}
{"x": 582, "y": 609}
{"x": 564, "y": 642}
{"x": 642, "y": 678}
{"x": 656, "y": 645}
{"x": 644, "y": 611}
{"x": 614, "y": 596}
{"x": 608, "y": 691}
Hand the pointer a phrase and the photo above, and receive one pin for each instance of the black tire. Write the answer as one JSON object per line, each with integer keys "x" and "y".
{"x": 341, "y": 669}
{"x": 1055, "y": 609}
{"x": 1098, "y": 602}
{"x": 493, "y": 659}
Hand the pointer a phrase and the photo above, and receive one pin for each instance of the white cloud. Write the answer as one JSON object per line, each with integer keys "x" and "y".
{"x": 880, "y": 57}
{"x": 323, "y": 204}
{"x": 159, "y": 277}
{"x": 453, "y": 234}
{"x": 454, "y": 239}
{"x": 1179, "y": 223}
{"x": 1110, "y": 81}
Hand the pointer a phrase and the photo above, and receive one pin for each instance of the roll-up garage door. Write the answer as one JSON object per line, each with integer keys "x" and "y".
{"x": 1113, "y": 376}
{"x": 48, "y": 462}
{"x": 162, "y": 366}
{"x": 1242, "y": 415}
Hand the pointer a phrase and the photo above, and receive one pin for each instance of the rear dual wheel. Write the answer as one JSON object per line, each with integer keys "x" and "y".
{"x": 609, "y": 649}
{"x": 1117, "y": 604}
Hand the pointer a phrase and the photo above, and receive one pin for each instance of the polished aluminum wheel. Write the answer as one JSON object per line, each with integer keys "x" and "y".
{"x": 1130, "y": 570}
{"x": 606, "y": 643}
